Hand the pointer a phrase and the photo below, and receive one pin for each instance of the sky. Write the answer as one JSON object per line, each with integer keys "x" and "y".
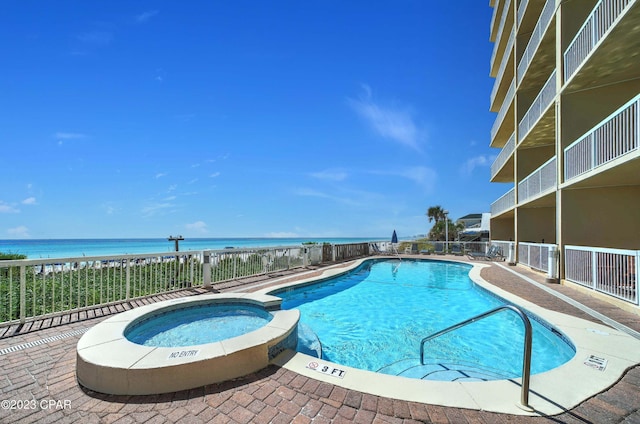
{"x": 242, "y": 118}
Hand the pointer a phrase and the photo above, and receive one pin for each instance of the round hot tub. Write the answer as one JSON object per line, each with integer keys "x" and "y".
{"x": 184, "y": 343}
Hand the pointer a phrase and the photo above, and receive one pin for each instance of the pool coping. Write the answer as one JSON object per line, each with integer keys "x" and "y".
{"x": 107, "y": 362}
{"x": 551, "y": 392}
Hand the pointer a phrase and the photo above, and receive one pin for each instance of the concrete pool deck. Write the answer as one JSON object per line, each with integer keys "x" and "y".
{"x": 39, "y": 376}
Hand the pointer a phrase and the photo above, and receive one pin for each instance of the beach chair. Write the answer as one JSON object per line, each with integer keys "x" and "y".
{"x": 439, "y": 248}
{"x": 493, "y": 254}
{"x": 456, "y": 249}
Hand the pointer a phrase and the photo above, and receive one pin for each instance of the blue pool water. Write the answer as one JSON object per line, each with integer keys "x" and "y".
{"x": 375, "y": 317}
{"x": 196, "y": 325}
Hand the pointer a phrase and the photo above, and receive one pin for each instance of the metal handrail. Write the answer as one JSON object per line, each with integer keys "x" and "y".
{"x": 526, "y": 363}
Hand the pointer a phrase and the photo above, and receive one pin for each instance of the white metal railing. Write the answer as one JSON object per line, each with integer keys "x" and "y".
{"x": 503, "y": 66}
{"x": 535, "y": 255}
{"x": 539, "y": 181}
{"x": 503, "y": 19}
{"x": 37, "y": 288}
{"x": 617, "y": 135}
{"x": 596, "y": 25}
{"x": 504, "y": 203}
{"x": 507, "y": 249}
{"x": 611, "y": 271}
{"x": 540, "y": 104}
{"x": 504, "y": 155}
{"x": 494, "y": 15}
{"x": 506, "y": 104}
{"x": 536, "y": 37}
{"x": 522, "y": 8}
{"x": 40, "y": 287}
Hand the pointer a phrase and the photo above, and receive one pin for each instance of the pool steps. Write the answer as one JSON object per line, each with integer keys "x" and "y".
{"x": 444, "y": 371}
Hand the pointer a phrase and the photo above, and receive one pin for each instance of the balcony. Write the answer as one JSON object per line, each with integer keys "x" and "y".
{"x": 548, "y": 12}
{"x": 616, "y": 136}
{"x": 501, "y": 79}
{"x": 503, "y": 157}
{"x": 522, "y": 7}
{"x": 539, "y": 182}
{"x": 594, "y": 29}
{"x": 499, "y": 45}
{"x": 539, "y": 106}
{"x": 506, "y": 109}
{"x": 504, "y": 203}
{"x": 498, "y": 10}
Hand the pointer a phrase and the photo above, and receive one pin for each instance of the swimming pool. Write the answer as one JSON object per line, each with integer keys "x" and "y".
{"x": 374, "y": 318}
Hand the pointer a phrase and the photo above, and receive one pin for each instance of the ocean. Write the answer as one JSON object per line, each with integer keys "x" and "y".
{"x": 64, "y": 248}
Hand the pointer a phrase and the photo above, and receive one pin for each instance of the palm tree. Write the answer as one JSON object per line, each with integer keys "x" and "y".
{"x": 435, "y": 213}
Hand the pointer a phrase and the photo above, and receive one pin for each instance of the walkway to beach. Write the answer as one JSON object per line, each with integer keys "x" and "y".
{"x": 38, "y": 381}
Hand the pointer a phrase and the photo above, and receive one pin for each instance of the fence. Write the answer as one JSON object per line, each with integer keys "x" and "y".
{"x": 535, "y": 255}
{"x": 611, "y": 271}
{"x": 37, "y": 288}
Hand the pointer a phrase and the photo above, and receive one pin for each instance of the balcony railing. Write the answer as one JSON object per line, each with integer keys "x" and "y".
{"x": 37, "y": 288}
{"x": 593, "y": 30}
{"x": 538, "y": 107}
{"x": 503, "y": 66}
{"x": 522, "y": 7}
{"x": 615, "y": 272}
{"x": 504, "y": 155}
{"x": 494, "y": 15}
{"x": 535, "y": 255}
{"x": 508, "y": 100}
{"x": 536, "y": 37}
{"x": 505, "y": 202}
{"x": 503, "y": 19}
{"x": 617, "y": 135}
{"x": 539, "y": 181}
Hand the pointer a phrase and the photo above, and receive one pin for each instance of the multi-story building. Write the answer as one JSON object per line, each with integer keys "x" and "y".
{"x": 567, "y": 97}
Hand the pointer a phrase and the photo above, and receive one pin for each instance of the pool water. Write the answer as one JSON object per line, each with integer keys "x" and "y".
{"x": 196, "y": 325}
{"x": 375, "y": 317}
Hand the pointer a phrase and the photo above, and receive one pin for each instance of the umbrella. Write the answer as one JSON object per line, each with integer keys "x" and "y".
{"x": 394, "y": 237}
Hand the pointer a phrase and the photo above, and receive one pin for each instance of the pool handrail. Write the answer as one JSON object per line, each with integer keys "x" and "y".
{"x": 526, "y": 363}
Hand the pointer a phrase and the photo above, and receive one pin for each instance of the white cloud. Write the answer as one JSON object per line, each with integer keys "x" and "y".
{"x": 96, "y": 38}
{"x": 421, "y": 175}
{"x": 215, "y": 174}
{"x": 389, "y": 122}
{"x": 471, "y": 164}
{"x": 282, "y": 234}
{"x": 198, "y": 226}
{"x": 29, "y": 201}
{"x": 19, "y": 232}
{"x": 161, "y": 174}
{"x": 6, "y": 208}
{"x": 330, "y": 174}
{"x": 347, "y": 197}
{"x": 146, "y": 16}
{"x": 155, "y": 208}
{"x": 68, "y": 136}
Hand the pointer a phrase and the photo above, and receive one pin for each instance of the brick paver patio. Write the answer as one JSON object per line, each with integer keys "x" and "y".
{"x": 38, "y": 381}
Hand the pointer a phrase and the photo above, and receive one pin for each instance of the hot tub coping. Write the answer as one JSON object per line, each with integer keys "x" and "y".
{"x": 108, "y": 362}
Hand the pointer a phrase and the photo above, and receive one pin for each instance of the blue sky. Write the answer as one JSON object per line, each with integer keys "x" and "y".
{"x": 242, "y": 118}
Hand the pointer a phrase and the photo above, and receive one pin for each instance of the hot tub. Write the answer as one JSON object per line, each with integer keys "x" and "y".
{"x": 114, "y": 358}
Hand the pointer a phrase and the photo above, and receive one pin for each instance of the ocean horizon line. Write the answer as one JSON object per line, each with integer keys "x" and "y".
{"x": 76, "y": 247}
